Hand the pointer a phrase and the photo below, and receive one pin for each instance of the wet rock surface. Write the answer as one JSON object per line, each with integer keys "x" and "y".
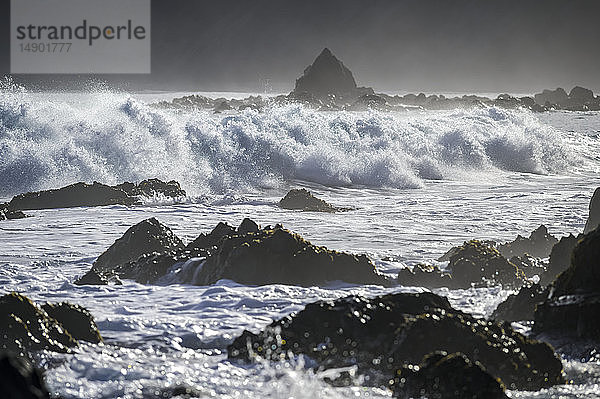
{"x": 539, "y": 244}
{"x": 560, "y": 258}
{"x": 521, "y": 306}
{"x": 95, "y": 194}
{"x": 384, "y": 334}
{"x": 7, "y": 214}
{"x": 451, "y": 376}
{"x": 20, "y": 380}
{"x": 574, "y": 302}
{"x": 28, "y": 327}
{"x": 302, "y": 199}
{"x": 594, "y": 217}
{"x": 426, "y": 276}
{"x": 76, "y": 319}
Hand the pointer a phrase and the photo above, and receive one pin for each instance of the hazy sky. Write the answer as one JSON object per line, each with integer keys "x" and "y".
{"x": 391, "y": 45}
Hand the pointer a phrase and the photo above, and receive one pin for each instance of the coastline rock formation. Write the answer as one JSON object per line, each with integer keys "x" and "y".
{"x": 539, "y": 244}
{"x": 560, "y": 258}
{"x": 95, "y": 194}
{"x": 327, "y": 77}
{"x": 302, "y": 199}
{"x": 248, "y": 255}
{"x": 520, "y": 306}
{"x": 7, "y": 214}
{"x": 385, "y": 333}
{"x": 594, "y": 217}
{"x": 574, "y": 302}
{"x": 20, "y": 380}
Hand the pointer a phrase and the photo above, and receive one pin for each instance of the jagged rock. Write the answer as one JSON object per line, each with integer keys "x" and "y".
{"x": 574, "y": 302}
{"x": 446, "y": 376}
{"x": 302, "y": 199}
{"x": 96, "y": 277}
{"x": 248, "y": 226}
{"x": 446, "y": 257}
{"x": 7, "y": 214}
{"x": 76, "y": 319}
{"x": 20, "y": 380}
{"x": 594, "y": 218}
{"x": 477, "y": 263}
{"x": 146, "y": 237}
{"x": 383, "y": 334}
{"x": 96, "y": 194}
{"x": 426, "y": 276}
{"x": 529, "y": 265}
{"x": 212, "y": 239}
{"x": 27, "y": 327}
{"x": 328, "y": 76}
{"x": 560, "y": 258}
{"x": 539, "y": 244}
{"x": 520, "y": 306}
{"x": 278, "y": 256}
{"x": 551, "y": 97}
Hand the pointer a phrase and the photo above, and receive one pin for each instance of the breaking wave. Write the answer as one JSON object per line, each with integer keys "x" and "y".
{"x": 50, "y": 141}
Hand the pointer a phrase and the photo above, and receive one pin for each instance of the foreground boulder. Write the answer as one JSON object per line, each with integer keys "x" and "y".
{"x": 594, "y": 217}
{"x": 521, "y": 306}
{"x": 539, "y": 244}
{"x": 446, "y": 376}
{"x": 302, "y": 199}
{"x": 383, "y": 334}
{"x": 28, "y": 327}
{"x": 574, "y": 302}
{"x": 95, "y": 194}
{"x": 20, "y": 380}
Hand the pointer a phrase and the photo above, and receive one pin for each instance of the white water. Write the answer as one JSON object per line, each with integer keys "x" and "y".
{"x": 421, "y": 182}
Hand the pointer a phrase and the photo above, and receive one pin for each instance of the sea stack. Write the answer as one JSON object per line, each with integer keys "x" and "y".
{"x": 327, "y": 77}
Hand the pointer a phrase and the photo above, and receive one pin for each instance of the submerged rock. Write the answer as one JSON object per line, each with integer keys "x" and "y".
{"x": 446, "y": 376}
{"x": 574, "y": 302}
{"x": 477, "y": 263}
{"x": 20, "y": 380}
{"x": 28, "y": 327}
{"x": 383, "y": 334}
{"x": 302, "y": 199}
{"x": 95, "y": 194}
{"x": 520, "y": 306}
{"x": 594, "y": 217}
{"x": 539, "y": 244}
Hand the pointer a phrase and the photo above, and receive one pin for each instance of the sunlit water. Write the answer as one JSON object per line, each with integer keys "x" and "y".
{"x": 420, "y": 182}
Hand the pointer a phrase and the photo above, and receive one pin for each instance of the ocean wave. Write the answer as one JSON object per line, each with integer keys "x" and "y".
{"x": 112, "y": 137}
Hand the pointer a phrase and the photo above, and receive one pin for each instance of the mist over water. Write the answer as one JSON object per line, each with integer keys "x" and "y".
{"x": 48, "y": 141}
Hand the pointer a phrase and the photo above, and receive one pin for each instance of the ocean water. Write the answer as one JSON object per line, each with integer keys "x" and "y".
{"x": 421, "y": 182}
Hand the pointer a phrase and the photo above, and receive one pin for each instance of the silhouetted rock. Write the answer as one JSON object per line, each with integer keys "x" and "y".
{"x": 302, "y": 199}
{"x": 248, "y": 226}
{"x": 426, "y": 276}
{"x": 97, "y": 277}
{"x": 551, "y": 97}
{"x": 96, "y": 194}
{"x": 539, "y": 244}
{"x": 328, "y": 76}
{"x": 446, "y": 376}
{"x": 477, "y": 263}
{"x": 581, "y": 94}
{"x": 385, "y": 333}
{"x": 76, "y": 320}
{"x": 446, "y": 257}
{"x": 560, "y": 258}
{"x": 20, "y": 380}
{"x": 7, "y": 214}
{"x": 594, "y": 217}
{"x": 27, "y": 327}
{"x": 529, "y": 265}
{"x": 574, "y": 302}
{"x": 520, "y": 306}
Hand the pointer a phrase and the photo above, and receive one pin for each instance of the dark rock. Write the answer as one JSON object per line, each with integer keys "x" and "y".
{"x": 560, "y": 258}
{"x": 302, "y": 199}
{"x": 594, "y": 218}
{"x": 477, "y": 263}
{"x": 446, "y": 257}
{"x": 146, "y": 237}
{"x": 7, "y": 214}
{"x": 574, "y": 302}
{"x": 426, "y": 276}
{"x": 327, "y": 76}
{"x": 20, "y": 380}
{"x": 383, "y": 334}
{"x": 151, "y": 188}
{"x": 214, "y": 238}
{"x": 278, "y": 256}
{"x": 552, "y": 97}
{"x": 76, "y": 319}
{"x": 520, "y": 306}
{"x": 96, "y": 277}
{"x": 581, "y": 94}
{"x": 529, "y": 265}
{"x": 27, "y": 327}
{"x": 248, "y": 226}
{"x": 539, "y": 244}
{"x": 447, "y": 376}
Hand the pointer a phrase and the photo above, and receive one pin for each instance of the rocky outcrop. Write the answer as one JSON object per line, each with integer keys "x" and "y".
{"x": 385, "y": 333}
{"x": 578, "y": 99}
{"x": 95, "y": 194}
{"x": 539, "y": 244}
{"x": 574, "y": 302}
{"x": 560, "y": 258}
{"x": 423, "y": 275}
{"x": 452, "y": 376}
{"x": 594, "y": 217}
{"x": 20, "y": 380}
{"x": 520, "y": 306}
{"x": 7, "y": 214}
{"x": 302, "y": 199}
{"x": 529, "y": 265}
{"x": 28, "y": 327}
{"x": 328, "y": 77}
{"x": 479, "y": 264}
{"x": 551, "y": 97}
